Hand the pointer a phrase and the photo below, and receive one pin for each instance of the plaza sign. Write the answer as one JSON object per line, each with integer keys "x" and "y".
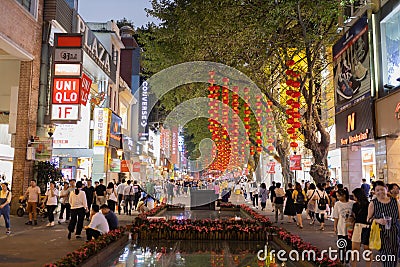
{"x": 94, "y": 48}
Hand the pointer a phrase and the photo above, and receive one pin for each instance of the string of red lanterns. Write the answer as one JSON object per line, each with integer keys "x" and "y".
{"x": 293, "y": 93}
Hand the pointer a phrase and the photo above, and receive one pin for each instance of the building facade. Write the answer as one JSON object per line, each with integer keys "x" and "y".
{"x": 20, "y": 53}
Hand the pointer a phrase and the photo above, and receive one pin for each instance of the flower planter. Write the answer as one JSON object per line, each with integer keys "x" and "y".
{"x": 282, "y": 245}
{"x": 104, "y": 255}
{"x": 229, "y": 209}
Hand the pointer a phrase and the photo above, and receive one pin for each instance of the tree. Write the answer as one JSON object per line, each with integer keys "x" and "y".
{"x": 256, "y": 37}
{"x": 44, "y": 172}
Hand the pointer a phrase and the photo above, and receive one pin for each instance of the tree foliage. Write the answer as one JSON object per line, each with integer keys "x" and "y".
{"x": 256, "y": 37}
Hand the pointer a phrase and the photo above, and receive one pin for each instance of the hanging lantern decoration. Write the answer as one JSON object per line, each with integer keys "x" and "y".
{"x": 293, "y": 93}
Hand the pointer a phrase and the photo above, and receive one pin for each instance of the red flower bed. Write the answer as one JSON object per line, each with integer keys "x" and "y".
{"x": 255, "y": 215}
{"x": 300, "y": 245}
{"x": 88, "y": 249}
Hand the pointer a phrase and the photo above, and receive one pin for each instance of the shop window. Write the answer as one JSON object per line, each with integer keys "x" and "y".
{"x": 29, "y": 5}
{"x": 390, "y": 36}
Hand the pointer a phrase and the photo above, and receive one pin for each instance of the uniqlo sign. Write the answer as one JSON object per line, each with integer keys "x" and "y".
{"x": 86, "y": 83}
{"x": 66, "y": 90}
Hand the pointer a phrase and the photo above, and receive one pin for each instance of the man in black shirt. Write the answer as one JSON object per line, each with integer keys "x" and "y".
{"x": 89, "y": 191}
{"x": 100, "y": 192}
{"x": 110, "y": 217}
{"x": 272, "y": 194}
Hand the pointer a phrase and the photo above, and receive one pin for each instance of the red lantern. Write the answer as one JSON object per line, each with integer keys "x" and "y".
{"x": 295, "y": 105}
{"x": 290, "y": 63}
{"x": 289, "y": 92}
{"x": 291, "y": 130}
{"x": 296, "y": 124}
{"x": 289, "y": 111}
{"x": 296, "y": 94}
{"x": 271, "y": 148}
{"x": 294, "y": 144}
{"x": 290, "y": 121}
{"x": 259, "y": 149}
{"x": 289, "y": 102}
{"x": 296, "y": 115}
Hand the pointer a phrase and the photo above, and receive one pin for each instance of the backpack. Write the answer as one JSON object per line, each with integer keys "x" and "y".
{"x": 300, "y": 197}
{"x": 322, "y": 202}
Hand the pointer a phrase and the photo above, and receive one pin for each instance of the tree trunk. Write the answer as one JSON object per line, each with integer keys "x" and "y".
{"x": 282, "y": 148}
{"x": 317, "y": 143}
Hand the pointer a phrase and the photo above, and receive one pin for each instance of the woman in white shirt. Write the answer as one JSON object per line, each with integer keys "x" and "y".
{"x": 112, "y": 197}
{"x": 5, "y": 200}
{"x": 51, "y": 202}
{"x": 77, "y": 200}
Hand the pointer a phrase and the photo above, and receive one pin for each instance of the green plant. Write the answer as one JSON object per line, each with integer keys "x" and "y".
{"x": 44, "y": 172}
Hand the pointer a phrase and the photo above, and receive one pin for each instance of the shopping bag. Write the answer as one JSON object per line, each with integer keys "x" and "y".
{"x": 375, "y": 237}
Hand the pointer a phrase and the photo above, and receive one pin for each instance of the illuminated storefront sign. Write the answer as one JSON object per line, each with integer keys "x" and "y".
{"x": 101, "y": 126}
{"x": 86, "y": 83}
{"x": 143, "y": 112}
{"x": 95, "y": 49}
{"x": 355, "y": 124}
{"x": 73, "y": 135}
{"x": 61, "y": 69}
{"x": 115, "y": 131}
{"x": 65, "y": 112}
{"x": 66, "y": 91}
{"x": 388, "y": 115}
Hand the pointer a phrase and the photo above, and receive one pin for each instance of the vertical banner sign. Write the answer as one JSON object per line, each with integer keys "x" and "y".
{"x": 351, "y": 66}
{"x": 144, "y": 112}
{"x": 115, "y": 130}
{"x": 68, "y": 59}
{"x": 86, "y": 83}
{"x": 101, "y": 126}
{"x": 174, "y": 145}
{"x": 295, "y": 163}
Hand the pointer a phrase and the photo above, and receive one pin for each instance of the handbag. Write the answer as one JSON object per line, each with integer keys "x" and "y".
{"x": 375, "y": 237}
{"x": 122, "y": 204}
{"x": 365, "y": 234}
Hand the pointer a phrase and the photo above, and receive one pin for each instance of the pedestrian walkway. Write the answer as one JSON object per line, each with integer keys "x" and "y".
{"x": 34, "y": 246}
{"x": 323, "y": 240}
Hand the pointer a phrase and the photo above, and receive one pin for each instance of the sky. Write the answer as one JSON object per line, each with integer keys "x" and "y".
{"x": 105, "y": 10}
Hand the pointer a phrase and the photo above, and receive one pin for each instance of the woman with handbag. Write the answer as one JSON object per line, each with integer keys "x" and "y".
{"x": 385, "y": 211}
{"x": 112, "y": 197}
{"x": 361, "y": 227}
{"x": 342, "y": 214}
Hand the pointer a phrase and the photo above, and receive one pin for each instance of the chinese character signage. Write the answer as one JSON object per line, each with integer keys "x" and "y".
{"x": 174, "y": 145}
{"x": 295, "y": 163}
{"x": 101, "y": 126}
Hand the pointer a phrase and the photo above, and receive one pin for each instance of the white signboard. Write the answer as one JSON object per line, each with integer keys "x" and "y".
{"x": 65, "y": 112}
{"x": 74, "y": 135}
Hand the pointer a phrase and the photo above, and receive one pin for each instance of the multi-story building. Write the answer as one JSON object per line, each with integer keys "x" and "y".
{"x": 20, "y": 53}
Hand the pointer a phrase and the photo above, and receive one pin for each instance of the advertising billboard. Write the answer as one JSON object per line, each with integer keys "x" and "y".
{"x": 101, "y": 126}
{"x": 115, "y": 130}
{"x": 355, "y": 124}
{"x": 351, "y": 66}
{"x": 73, "y": 135}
